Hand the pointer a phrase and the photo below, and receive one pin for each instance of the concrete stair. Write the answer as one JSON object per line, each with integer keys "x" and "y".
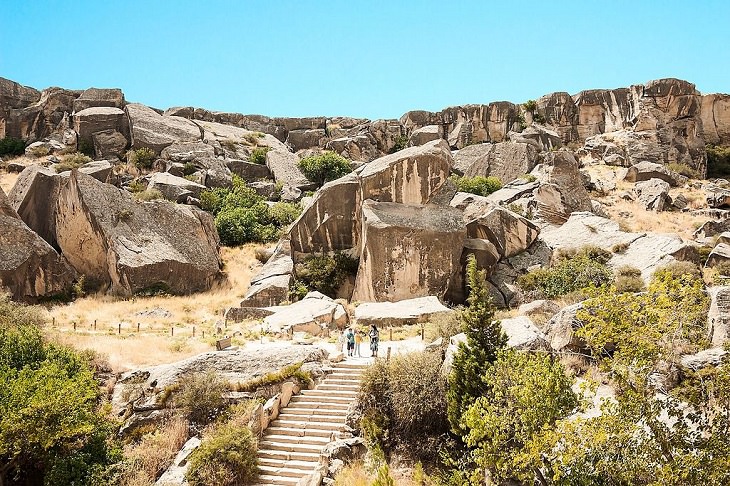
{"x": 291, "y": 446}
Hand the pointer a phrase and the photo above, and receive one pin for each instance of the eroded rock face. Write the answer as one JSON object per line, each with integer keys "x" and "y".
{"x": 29, "y": 267}
{"x": 404, "y": 312}
{"x": 271, "y": 285}
{"x": 127, "y": 247}
{"x": 35, "y": 197}
{"x": 562, "y": 192}
{"x": 408, "y": 251}
{"x": 99, "y": 119}
{"x": 99, "y": 97}
{"x": 154, "y": 131}
{"x": 715, "y": 115}
{"x": 506, "y": 160}
{"x": 718, "y": 317}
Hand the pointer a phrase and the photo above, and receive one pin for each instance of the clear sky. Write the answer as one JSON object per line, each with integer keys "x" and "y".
{"x": 374, "y": 59}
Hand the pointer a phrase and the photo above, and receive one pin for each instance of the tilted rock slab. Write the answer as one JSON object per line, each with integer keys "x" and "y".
{"x": 154, "y": 131}
{"x": 718, "y": 317}
{"x": 35, "y": 198}
{"x": 505, "y": 160}
{"x": 408, "y": 251}
{"x": 128, "y": 246}
{"x": 404, "y": 312}
{"x": 562, "y": 193}
{"x": 29, "y": 267}
{"x": 313, "y": 314}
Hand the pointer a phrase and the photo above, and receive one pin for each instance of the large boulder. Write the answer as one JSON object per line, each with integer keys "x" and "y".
{"x": 505, "y": 160}
{"x": 271, "y": 285}
{"x": 174, "y": 188}
{"x": 127, "y": 246}
{"x": 92, "y": 120}
{"x": 562, "y": 192}
{"x": 29, "y": 267}
{"x": 154, "y": 131}
{"x": 98, "y": 97}
{"x": 248, "y": 171}
{"x": 523, "y": 334}
{"x": 407, "y": 251}
{"x": 426, "y": 134}
{"x": 538, "y": 136}
{"x": 560, "y": 329}
{"x": 645, "y": 170}
{"x": 719, "y": 254}
{"x": 283, "y": 166}
{"x": 404, "y": 312}
{"x": 110, "y": 143}
{"x": 313, "y": 314}
{"x": 718, "y": 317}
{"x": 653, "y": 194}
{"x": 34, "y": 197}
{"x": 188, "y": 151}
{"x": 717, "y": 196}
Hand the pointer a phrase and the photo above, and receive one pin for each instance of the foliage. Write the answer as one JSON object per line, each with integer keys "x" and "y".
{"x": 530, "y": 106}
{"x": 326, "y": 273}
{"x": 304, "y": 378}
{"x": 678, "y": 268}
{"x": 226, "y": 458}
{"x": 399, "y": 143}
{"x": 325, "y": 167}
{"x": 573, "y": 271}
{"x": 201, "y": 396}
{"x": 479, "y": 185}
{"x": 11, "y": 146}
{"x": 484, "y": 338}
{"x": 628, "y": 279}
{"x": 72, "y": 161}
{"x": 50, "y": 426}
{"x": 86, "y": 147}
{"x": 258, "y": 155}
{"x": 526, "y": 392}
{"x": 718, "y": 161}
{"x": 684, "y": 170}
{"x": 136, "y": 186}
{"x": 242, "y": 216}
{"x": 148, "y": 195}
{"x": 403, "y": 402}
{"x": 142, "y": 158}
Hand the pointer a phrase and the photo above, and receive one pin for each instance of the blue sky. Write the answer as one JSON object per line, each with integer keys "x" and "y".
{"x": 374, "y": 59}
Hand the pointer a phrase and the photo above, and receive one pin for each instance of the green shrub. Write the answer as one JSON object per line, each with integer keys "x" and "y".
{"x": 479, "y": 185}
{"x": 400, "y": 142}
{"x": 226, "y": 458}
{"x": 678, "y": 268}
{"x": 573, "y": 271}
{"x": 11, "y": 146}
{"x": 86, "y": 147}
{"x": 189, "y": 169}
{"x": 148, "y": 195}
{"x": 530, "y": 106}
{"x": 284, "y": 213}
{"x": 718, "y": 161}
{"x": 403, "y": 402}
{"x": 325, "y": 167}
{"x": 72, "y": 161}
{"x": 200, "y": 396}
{"x": 143, "y": 157}
{"x": 304, "y": 378}
{"x": 684, "y": 170}
{"x": 326, "y": 273}
{"x": 258, "y": 155}
{"x": 136, "y": 186}
{"x": 239, "y": 225}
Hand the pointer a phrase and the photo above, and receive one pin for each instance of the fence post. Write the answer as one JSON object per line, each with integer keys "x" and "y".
{"x": 172, "y": 331}
{"x": 94, "y": 324}
{"x": 387, "y": 357}
{"x": 138, "y": 328}
{"x": 119, "y": 328}
{"x": 74, "y": 326}
{"x": 193, "y": 331}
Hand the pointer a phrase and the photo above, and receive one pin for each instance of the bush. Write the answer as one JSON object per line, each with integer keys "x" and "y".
{"x": 403, "y": 402}
{"x": 326, "y": 273}
{"x": 400, "y": 142}
{"x": 239, "y": 225}
{"x": 304, "y": 378}
{"x": 479, "y": 185}
{"x": 226, "y": 458}
{"x": 200, "y": 396}
{"x": 325, "y": 167}
{"x": 678, "y": 268}
{"x": 574, "y": 271}
{"x": 258, "y": 155}
{"x": 684, "y": 170}
{"x": 143, "y": 157}
{"x": 284, "y": 213}
{"x": 86, "y": 147}
{"x": 530, "y": 106}
{"x": 148, "y": 195}
{"x": 72, "y": 161}
{"x": 718, "y": 161}
{"x": 11, "y": 146}
{"x": 628, "y": 279}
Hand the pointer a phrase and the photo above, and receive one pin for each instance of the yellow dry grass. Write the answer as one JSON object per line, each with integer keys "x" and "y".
{"x": 7, "y": 180}
{"x": 166, "y": 323}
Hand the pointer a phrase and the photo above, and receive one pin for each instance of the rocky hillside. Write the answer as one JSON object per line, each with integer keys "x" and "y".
{"x": 397, "y": 206}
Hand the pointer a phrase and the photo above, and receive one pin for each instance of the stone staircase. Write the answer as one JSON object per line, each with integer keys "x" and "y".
{"x": 291, "y": 446}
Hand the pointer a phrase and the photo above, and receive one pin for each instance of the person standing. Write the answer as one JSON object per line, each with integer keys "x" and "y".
{"x": 350, "y": 341}
{"x": 358, "y": 340}
{"x": 374, "y": 338}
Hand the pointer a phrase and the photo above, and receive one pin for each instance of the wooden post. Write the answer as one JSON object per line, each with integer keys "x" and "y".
{"x": 119, "y": 328}
{"x": 391, "y": 335}
{"x": 387, "y": 356}
{"x": 74, "y": 326}
{"x": 225, "y": 323}
{"x": 193, "y": 331}
{"x": 423, "y": 333}
{"x": 203, "y": 334}
{"x": 94, "y": 324}
{"x": 138, "y": 328}
{"x": 54, "y": 322}
{"x": 172, "y": 331}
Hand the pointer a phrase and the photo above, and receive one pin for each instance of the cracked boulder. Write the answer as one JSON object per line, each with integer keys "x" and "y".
{"x": 154, "y": 131}
{"x": 562, "y": 192}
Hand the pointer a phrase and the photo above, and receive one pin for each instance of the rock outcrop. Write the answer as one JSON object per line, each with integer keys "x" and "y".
{"x": 562, "y": 192}
{"x": 154, "y": 131}
{"x": 401, "y": 313}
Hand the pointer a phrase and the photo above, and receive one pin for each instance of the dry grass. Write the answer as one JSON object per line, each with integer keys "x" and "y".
{"x": 154, "y": 453}
{"x": 157, "y": 316}
{"x": 632, "y": 217}
{"x": 353, "y": 474}
{"x": 356, "y": 474}
{"x": 7, "y": 180}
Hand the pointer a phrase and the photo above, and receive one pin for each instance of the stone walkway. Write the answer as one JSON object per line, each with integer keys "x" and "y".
{"x": 291, "y": 446}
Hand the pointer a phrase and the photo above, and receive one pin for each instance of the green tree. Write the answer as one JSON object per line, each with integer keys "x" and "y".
{"x": 526, "y": 393}
{"x": 484, "y": 338}
{"x": 325, "y": 167}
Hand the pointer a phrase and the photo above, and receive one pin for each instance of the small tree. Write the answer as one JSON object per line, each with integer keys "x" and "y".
{"x": 484, "y": 338}
{"x": 325, "y": 167}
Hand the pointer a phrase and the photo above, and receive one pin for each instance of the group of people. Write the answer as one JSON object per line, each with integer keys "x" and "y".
{"x": 353, "y": 339}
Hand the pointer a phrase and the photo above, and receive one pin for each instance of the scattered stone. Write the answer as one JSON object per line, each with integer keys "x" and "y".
{"x": 313, "y": 314}
{"x": 644, "y": 171}
{"x": 174, "y": 188}
{"x": 522, "y": 334}
{"x": 560, "y": 329}
{"x": 653, "y": 194}
{"x": 703, "y": 359}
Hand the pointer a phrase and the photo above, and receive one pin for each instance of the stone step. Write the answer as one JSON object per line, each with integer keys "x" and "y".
{"x": 331, "y": 394}
{"x": 317, "y": 402}
{"x": 294, "y": 463}
{"x": 284, "y": 455}
{"x": 300, "y": 432}
{"x": 294, "y": 441}
{"x": 342, "y": 380}
{"x": 290, "y": 447}
{"x": 268, "y": 480}
{"x": 305, "y": 424}
{"x": 298, "y": 417}
{"x": 330, "y": 412}
{"x": 338, "y": 387}
{"x": 351, "y": 366}
{"x": 287, "y": 471}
